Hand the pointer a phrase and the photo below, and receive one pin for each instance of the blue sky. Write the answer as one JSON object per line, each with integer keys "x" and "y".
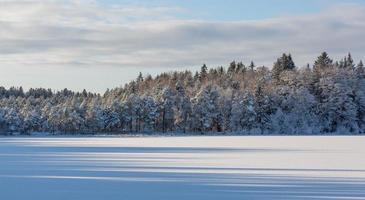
{"x": 100, "y": 44}
{"x": 236, "y": 10}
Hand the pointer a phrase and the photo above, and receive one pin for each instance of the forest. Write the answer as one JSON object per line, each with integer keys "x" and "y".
{"x": 326, "y": 97}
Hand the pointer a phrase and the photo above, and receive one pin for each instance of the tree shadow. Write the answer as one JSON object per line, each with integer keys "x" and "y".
{"x": 56, "y": 172}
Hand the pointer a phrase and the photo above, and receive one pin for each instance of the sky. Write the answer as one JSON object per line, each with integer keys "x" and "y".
{"x": 100, "y": 44}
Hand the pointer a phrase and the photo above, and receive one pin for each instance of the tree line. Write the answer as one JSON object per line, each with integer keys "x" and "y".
{"x": 326, "y": 97}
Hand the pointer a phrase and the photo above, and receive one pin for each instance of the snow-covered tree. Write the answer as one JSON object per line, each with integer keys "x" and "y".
{"x": 167, "y": 109}
{"x": 323, "y": 62}
{"x": 206, "y": 109}
{"x": 183, "y": 106}
{"x": 337, "y": 109}
{"x": 284, "y": 63}
{"x": 243, "y": 112}
{"x": 328, "y": 98}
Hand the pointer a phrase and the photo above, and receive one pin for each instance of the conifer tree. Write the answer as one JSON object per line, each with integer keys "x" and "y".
{"x": 323, "y": 62}
{"x": 284, "y": 63}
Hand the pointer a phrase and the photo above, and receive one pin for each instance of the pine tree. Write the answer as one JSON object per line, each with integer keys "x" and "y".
{"x": 243, "y": 113}
{"x": 323, "y": 62}
{"x": 330, "y": 98}
{"x": 206, "y": 109}
{"x": 166, "y": 109}
{"x": 183, "y": 106}
{"x": 252, "y": 66}
{"x": 241, "y": 68}
{"x": 232, "y": 68}
{"x": 337, "y": 109}
{"x": 150, "y": 114}
{"x": 203, "y": 73}
{"x": 360, "y": 70}
{"x": 349, "y": 62}
{"x": 263, "y": 109}
{"x": 284, "y": 63}
{"x": 139, "y": 78}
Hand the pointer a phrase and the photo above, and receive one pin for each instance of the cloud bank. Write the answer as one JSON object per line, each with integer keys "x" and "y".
{"x": 80, "y": 34}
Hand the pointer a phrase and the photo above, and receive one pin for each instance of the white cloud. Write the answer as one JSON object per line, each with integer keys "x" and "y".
{"x": 79, "y": 34}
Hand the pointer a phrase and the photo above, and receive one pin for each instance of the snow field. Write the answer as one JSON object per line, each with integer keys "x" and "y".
{"x": 273, "y": 167}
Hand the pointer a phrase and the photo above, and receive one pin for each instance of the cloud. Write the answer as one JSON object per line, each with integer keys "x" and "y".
{"x": 86, "y": 34}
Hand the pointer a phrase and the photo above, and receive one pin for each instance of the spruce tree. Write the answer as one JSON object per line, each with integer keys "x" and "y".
{"x": 203, "y": 73}
{"x": 349, "y": 62}
{"x": 284, "y": 63}
{"x": 323, "y": 62}
{"x": 140, "y": 77}
{"x": 360, "y": 70}
{"x": 252, "y": 66}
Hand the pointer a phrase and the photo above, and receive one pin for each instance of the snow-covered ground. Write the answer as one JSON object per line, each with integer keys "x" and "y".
{"x": 277, "y": 167}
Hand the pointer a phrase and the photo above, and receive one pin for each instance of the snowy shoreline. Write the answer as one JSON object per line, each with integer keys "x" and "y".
{"x": 143, "y": 135}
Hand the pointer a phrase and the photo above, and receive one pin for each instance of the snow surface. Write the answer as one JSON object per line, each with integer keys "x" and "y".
{"x": 277, "y": 167}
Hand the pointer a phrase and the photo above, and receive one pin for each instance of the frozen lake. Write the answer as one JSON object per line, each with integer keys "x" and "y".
{"x": 165, "y": 168}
